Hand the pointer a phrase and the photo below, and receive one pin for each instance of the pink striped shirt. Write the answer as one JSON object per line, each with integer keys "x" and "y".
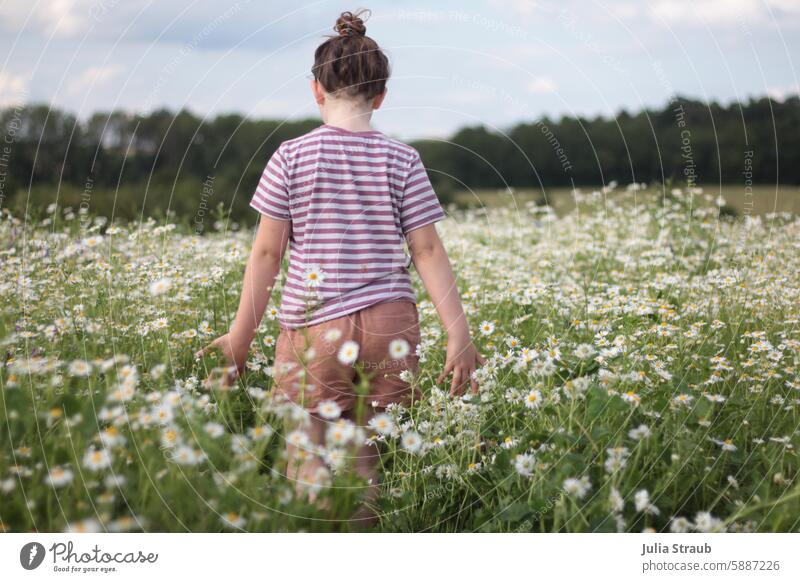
{"x": 351, "y": 197}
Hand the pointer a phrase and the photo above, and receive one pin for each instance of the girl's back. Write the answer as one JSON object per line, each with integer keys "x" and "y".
{"x": 351, "y": 197}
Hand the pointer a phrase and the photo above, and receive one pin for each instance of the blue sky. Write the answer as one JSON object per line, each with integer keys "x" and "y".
{"x": 494, "y": 62}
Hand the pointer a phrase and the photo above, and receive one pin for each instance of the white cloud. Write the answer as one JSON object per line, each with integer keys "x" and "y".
{"x": 95, "y": 77}
{"x": 13, "y": 89}
{"x": 540, "y": 85}
{"x": 523, "y": 7}
{"x": 63, "y": 18}
{"x": 721, "y": 12}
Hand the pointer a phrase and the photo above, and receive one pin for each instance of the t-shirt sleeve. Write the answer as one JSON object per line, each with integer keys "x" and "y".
{"x": 420, "y": 206}
{"x": 271, "y": 197}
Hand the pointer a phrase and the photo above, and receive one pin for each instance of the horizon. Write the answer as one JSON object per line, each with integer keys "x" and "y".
{"x": 376, "y": 123}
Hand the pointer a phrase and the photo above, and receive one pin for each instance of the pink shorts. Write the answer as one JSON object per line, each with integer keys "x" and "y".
{"x": 308, "y": 369}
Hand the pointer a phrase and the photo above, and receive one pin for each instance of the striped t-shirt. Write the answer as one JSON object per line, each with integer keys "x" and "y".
{"x": 351, "y": 197}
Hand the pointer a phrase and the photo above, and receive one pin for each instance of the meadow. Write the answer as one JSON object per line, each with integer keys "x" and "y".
{"x": 643, "y": 351}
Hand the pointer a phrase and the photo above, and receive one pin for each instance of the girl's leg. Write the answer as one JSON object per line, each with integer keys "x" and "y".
{"x": 366, "y": 464}
{"x": 304, "y": 467}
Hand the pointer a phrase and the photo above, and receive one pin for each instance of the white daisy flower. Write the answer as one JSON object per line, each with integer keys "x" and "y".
{"x": 533, "y": 399}
{"x": 214, "y": 429}
{"x": 399, "y": 349}
{"x": 96, "y": 460}
{"x": 332, "y": 335}
{"x": 411, "y": 441}
{"x": 261, "y": 432}
{"x": 298, "y": 438}
{"x": 59, "y": 477}
{"x": 160, "y": 287}
{"x": 233, "y": 520}
{"x": 381, "y": 423}
{"x": 640, "y": 432}
{"x": 79, "y": 368}
{"x": 525, "y": 464}
{"x": 348, "y": 353}
{"x": 577, "y": 488}
{"x": 314, "y": 276}
{"x": 704, "y": 522}
{"x": 329, "y": 410}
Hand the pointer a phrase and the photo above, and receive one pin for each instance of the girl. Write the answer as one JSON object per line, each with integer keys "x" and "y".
{"x": 344, "y": 198}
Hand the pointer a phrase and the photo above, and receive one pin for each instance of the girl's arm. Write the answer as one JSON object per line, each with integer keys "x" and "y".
{"x": 259, "y": 276}
{"x": 430, "y": 260}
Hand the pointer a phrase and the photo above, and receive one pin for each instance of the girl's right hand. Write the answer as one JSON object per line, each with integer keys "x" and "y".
{"x": 461, "y": 361}
{"x": 233, "y": 351}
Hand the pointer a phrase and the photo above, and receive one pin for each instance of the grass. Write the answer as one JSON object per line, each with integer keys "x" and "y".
{"x": 759, "y": 200}
{"x": 643, "y": 374}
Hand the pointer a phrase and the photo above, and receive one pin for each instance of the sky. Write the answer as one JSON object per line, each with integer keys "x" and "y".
{"x": 454, "y": 63}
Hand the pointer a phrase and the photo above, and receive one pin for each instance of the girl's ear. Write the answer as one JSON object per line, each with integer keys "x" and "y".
{"x": 378, "y": 101}
{"x": 317, "y": 91}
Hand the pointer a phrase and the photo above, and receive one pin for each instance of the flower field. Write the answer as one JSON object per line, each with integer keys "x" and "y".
{"x": 643, "y": 374}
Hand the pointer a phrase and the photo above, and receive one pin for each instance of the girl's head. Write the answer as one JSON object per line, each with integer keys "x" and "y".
{"x": 350, "y": 66}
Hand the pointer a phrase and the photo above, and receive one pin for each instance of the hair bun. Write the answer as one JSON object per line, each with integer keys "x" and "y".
{"x": 350, "y": 24}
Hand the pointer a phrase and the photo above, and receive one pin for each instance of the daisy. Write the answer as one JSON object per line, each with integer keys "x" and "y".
{"x": 125, "y": 523}
{"x": 298, "y": 438}
{"x": 705, "y": 522}
{"x": 160, "y": 287}
{"x": 616, "y": 459}
{"x": 534, "y": 399}
{"x": 258, "y": 433}
{"x": 96, "y": 460}
{"x": 233, "y": 520}
{"x": 683, "y": 399}
{"x": 185, "y": 455}
{"x": 59, "y": 477}
{"x": 641, "y": 499}
{"x": 411, "y": 441}
{"x": 525, "y": 464}
{"x": 88, "y": 525}
{"x": 332, "y": 335}
{"x": 584, "y": 351}
{"x": 157, "y": 371}
{"x": 125, "y": 391}
{"x": 399, "y": 349}
{"x": 314, "y": 276}
{"x": 680, "y": 525}
{"x": 577, "y": 488}
{"x": 640, "y": 432}
{"x": 214, "y": 429}
{"x": 631, "y": 397}
{"x": 336, "y": 458}
{"x": 381, "y": 423}
{"x": 348, "y": 353}
{"x": 329, "y": 410}
{"x": 340, "y": 433}
{"x": 616, "y": 501}
{"x": 487, "y": 327}
{"x": 79, "y": 369}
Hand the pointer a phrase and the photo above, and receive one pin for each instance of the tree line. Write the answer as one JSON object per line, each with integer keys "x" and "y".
{"x": 133, "y": 165}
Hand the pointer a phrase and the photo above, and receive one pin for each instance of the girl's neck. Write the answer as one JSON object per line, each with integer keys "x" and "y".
{"x": 348, "y": 116}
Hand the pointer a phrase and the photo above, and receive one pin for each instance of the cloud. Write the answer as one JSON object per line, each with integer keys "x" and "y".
{"x": 539, "y": 85}
{"x": 95, "y": 77}
{"x": 721, "y": 12}
{"x": 62, "y": 18}
{"x": 521, "y": 7}
{"x": 13, "y": 89}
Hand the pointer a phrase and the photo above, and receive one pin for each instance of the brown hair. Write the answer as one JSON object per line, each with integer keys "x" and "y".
{"x": 351, "y": 62}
